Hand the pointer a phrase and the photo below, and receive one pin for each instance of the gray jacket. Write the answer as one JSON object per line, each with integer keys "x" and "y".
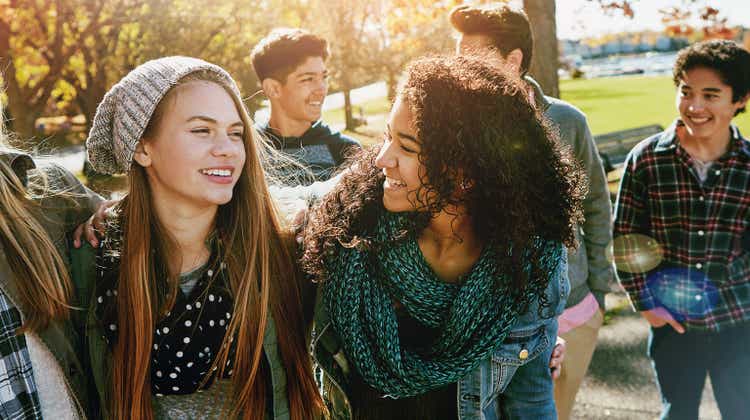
{"x": 588, "y": 267}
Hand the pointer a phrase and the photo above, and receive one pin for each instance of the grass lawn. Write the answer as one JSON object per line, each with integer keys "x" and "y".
{"x": 618, "y": 103}
{"x": 611, "y": 104}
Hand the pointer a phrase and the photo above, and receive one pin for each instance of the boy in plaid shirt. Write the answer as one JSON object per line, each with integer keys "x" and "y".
{"x": 682, "y": 235}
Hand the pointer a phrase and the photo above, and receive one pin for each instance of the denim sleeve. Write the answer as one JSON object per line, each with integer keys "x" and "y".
{"x": 529, "y": 394}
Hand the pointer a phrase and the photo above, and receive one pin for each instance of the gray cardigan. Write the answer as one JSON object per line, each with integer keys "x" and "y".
{"x": 588, "y": 267}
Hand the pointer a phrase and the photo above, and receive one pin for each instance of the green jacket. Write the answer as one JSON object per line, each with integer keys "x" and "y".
{"x": 58, "y": 215}
{"x": 99, "y": 356}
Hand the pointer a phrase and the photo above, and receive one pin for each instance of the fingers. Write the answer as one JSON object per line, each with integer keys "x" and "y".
{"x": 556, "y": 373}
{"x": 77, "y": 233}
{"x": 90, "y": 232}
{"x": 676, "y": 325}
{"x": 558, "y": 355}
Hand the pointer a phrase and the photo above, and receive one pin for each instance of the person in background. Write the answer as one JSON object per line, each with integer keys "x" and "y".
{"x": 291, "y": 66}
{"x": 43, "y": 371}
{"x": 682, "y": 235}
{"x": 501, "y": 34}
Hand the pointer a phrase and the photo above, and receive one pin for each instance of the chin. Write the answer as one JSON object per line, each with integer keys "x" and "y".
{"x": 395, "y": 206}
{"x": 220, "y": 200}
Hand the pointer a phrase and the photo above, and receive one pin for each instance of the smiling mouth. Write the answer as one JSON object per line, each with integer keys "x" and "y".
{"x": 217, "y": 172}
{"x": 699, "y": 120}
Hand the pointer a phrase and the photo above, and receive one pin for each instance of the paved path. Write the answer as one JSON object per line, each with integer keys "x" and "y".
{"x": 620, "y": 382}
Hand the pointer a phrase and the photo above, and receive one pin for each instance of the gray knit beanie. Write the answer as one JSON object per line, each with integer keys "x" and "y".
{"x": 126, "y": 109}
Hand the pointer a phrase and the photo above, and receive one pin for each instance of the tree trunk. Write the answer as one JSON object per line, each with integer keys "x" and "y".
{"x": 545, "y": 60}
{"x": 22, "y": 124}
{"x": 350, "y": 124}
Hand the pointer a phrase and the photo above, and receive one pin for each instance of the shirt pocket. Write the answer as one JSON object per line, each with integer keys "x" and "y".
{"x": 520, "y": 347}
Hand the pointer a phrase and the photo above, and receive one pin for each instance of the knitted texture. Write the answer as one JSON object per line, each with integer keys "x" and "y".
{"x": 126, "y": 109}
{"x": 472, "y": 316}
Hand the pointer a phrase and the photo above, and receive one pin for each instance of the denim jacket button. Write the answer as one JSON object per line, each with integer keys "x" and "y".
{"x": 523, "y": 355}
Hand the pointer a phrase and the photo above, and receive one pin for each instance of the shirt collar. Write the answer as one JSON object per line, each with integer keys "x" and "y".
{"x": 540, "y": 100}
{"x": 668, "y": 139}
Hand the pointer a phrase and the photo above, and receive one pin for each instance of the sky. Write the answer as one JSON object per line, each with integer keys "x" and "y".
{"x": 583, "y": 18}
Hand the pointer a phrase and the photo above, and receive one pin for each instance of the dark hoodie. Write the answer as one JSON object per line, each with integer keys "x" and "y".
{"x": 320, "y": 149}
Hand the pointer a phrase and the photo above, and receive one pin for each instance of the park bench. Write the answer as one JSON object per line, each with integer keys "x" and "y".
{"x": 615, "y": 146}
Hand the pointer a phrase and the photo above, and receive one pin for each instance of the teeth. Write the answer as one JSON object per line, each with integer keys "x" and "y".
{"x": 699, "y": 120}
{"x": 216, "y": 172}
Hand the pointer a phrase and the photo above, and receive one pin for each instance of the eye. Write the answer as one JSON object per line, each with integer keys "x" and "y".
{"x": 236, "y": 134}
{"x": 407, "y": 149}
{"x": 201, "y": 130}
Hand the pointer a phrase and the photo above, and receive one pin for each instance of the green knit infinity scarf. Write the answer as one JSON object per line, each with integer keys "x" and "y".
{"x": 472, "y": 317}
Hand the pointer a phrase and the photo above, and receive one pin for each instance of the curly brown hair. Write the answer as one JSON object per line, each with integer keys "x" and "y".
{"x": 478, "y": 127}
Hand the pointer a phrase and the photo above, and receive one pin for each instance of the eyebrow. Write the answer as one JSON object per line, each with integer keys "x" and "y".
{"x": 312, "y": 73}
{"x": 708, "y": 89}
{"x": 211, "y": 120}
{"x": 402, "y": 135}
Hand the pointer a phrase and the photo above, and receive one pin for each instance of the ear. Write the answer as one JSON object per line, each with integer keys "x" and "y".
{"x": 142, "y": 154}
{"x": 743, "y": 101}
{"x": 514, "y": 60}
{"x": 271, "y": 87}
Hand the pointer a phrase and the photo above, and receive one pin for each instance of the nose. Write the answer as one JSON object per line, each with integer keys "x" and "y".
{"x": 225, "y": 145}
{"x": 386, "y": 157}
{"x": 696, "y": 104}
{"x": 322, "y": 87}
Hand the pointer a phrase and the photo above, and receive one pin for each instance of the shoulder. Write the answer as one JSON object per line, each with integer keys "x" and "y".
{"x": 341, "y": 139}
{"x": 643, "y": 152}
{"x": 562, "y": 111}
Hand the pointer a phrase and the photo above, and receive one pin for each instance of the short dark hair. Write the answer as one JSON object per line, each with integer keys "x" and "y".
{"x": 283, "y": 50}
{"x": 507, "y": 27}
{"x": 727, "y": 58}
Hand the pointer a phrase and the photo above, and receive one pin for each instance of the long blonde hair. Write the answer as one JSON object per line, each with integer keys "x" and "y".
{"x": 30, "y": 253}
{"x": 262, "y": 276}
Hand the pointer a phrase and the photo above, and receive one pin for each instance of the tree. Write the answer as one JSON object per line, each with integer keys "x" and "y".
{"x": 405, "y": 30}
{"x": 344, "y": 24}
{"x": 76, "y": 49}
{"x": 37, "y": 41}
{"x": 544, "y": 61}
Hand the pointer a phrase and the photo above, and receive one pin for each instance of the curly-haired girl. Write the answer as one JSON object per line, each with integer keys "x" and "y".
{"x": 442, "y": 254}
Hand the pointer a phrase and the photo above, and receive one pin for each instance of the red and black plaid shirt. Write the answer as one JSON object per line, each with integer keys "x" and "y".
{"x": 682, "y": 244}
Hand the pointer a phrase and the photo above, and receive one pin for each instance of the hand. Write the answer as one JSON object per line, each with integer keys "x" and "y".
{"x": 558, "y": 355}
{"x": 300, "y": 220}
{"x": 92, "y": 226}
{"x": 658, "y": 317}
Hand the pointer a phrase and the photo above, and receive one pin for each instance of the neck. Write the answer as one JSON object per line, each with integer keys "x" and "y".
{"x": 286, "y": 126}
{"x": 449, "y": 230}
{"x": 189, "y": 227}
{"x": 449, "y": 245}
{"x": 706, "y": 149}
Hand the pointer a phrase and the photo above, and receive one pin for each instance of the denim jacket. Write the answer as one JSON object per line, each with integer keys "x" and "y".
{"x": 514, "y": 383}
